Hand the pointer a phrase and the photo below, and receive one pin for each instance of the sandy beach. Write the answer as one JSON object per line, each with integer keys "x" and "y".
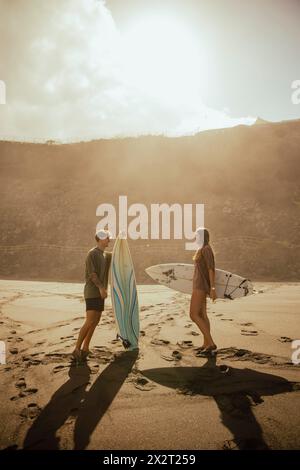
{"x": 162, "y": 397}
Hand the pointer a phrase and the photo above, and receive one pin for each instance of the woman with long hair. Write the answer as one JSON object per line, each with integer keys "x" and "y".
{"x": 203, "y": 286}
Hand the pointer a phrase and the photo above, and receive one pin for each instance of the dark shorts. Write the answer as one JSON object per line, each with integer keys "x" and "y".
{"x": 96, "y": 303}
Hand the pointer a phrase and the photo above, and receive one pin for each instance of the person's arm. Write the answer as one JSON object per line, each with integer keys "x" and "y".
{"x": 210, "y": 262}
{"x": 211, "y": 273}
{"x": 108, "y": 256}
{"x": 99, "y": 284}
{"x": 94, "y": 277}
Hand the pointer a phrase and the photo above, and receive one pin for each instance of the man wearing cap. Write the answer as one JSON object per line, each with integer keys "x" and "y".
{"x": 95, "y": 291}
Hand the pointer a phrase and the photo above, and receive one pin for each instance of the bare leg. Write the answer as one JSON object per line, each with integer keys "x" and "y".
{"x": 199, "y": 316}
{"x": 205, "y": 317}
{"x": 91, "y": 316}
{"x": 91, "y": 330}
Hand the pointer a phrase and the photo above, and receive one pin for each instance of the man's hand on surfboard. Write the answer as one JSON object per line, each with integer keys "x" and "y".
{"x": 103, "y": 292}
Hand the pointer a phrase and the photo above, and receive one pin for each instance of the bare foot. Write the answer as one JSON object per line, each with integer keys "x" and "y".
{"x": 76, "y": 354}
{"x": 84, "y": 354}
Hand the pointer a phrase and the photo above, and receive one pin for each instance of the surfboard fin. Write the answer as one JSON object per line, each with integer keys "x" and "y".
{"x": 125, "y": 342}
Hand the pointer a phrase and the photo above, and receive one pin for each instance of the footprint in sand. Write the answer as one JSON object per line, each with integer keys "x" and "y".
{"x": 244, "y": 354}
{"x": 13, "y": 350}
{"x": 115, "y": 341}
{"x": 249, "y": 332}
{"x": 21, "y": 384}
{"x": 285, "y": 339}
{"x": 57, "y": 354}
{"x": 33, "y": 362}
{"x": 143, "y": 309}
{"x": 27, "y": 392}
{"x": 31, "y": 412}
{"x": 24, "y": 393}
{"x": 16, "y": 397}
{"x": 159, "y": 342}
{"x": 167, "y": 358}
{"x": 176, "y": 356}
{"x": 227, "y": 319}
{"x": 185, "y": 344}
{"x": 219, "y": 315}
{"x": 247, "y": 324}
{"x": 194, "y": 333}
{"x": 58, "y": 368}
{"x": 143, "y": 384}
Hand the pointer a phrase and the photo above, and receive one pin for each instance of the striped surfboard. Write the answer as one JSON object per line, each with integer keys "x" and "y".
{"x": 124, "y": 294}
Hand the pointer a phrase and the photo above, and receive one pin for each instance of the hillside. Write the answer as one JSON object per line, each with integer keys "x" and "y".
{"x": 247, "y": 177}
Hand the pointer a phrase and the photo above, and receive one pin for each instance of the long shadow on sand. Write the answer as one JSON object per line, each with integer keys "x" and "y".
{"x": 235, "y": 393}
{"x": 64, "y": 403}
{"x": 73, "y": 400}
{"x": 100, "y": 396}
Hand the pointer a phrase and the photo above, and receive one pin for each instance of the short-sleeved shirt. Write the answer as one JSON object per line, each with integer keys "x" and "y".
{"x": 202, "y": 265}
{"x": 95, "y": 263}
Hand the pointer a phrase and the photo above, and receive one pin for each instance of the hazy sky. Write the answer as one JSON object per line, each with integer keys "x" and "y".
{"x": 80, "y": 69}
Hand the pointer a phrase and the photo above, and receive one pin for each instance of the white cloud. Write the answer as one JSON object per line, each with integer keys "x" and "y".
{"x": 64, "y": 66}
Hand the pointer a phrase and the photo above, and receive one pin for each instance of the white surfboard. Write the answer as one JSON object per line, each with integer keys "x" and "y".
{"x": 124, "y": 294}
{"x": 179, "y": 276}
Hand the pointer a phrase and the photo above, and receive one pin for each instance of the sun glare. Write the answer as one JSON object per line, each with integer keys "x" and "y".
{"x": 163, "y": 58}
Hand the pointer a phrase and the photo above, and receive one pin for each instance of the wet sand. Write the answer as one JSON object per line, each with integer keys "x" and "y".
{"x": 163, "y": 397}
